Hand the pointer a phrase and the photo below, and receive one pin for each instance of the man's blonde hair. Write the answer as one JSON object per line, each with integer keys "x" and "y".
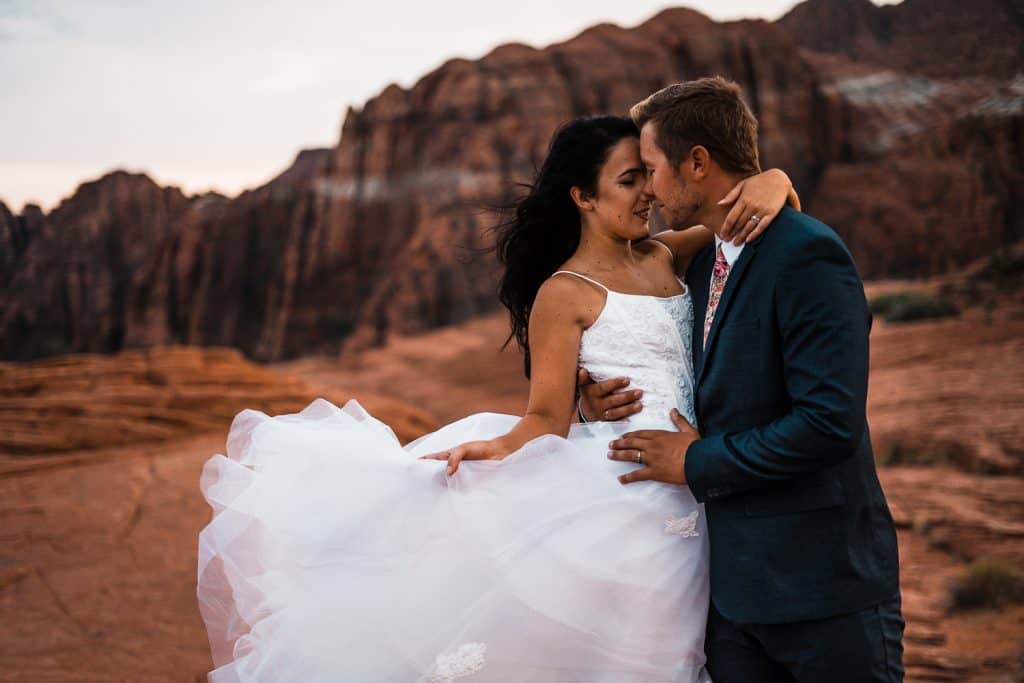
{"x": 709, "y": 112}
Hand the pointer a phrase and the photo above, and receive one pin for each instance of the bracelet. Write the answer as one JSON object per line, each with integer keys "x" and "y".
{"x": 579, "y": 411}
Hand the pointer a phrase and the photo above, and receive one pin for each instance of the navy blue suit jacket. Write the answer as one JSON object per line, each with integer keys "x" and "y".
{"x": 799, "y": 527}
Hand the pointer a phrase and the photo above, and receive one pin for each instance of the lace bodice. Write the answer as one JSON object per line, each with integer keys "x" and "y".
{"x": 645, "y": 338}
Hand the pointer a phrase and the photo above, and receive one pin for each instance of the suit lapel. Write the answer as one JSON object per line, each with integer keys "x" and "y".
{"x": 728, "y": 294}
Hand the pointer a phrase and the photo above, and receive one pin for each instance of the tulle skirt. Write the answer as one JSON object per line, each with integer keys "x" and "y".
{"x": 335, "y": 554}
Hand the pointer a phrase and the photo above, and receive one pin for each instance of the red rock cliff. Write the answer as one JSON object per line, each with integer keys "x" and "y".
{"x": 915, "y": 158}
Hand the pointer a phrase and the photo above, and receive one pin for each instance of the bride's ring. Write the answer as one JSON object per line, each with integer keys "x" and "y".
{"x": 639, "y": 457}
{"x": 755, "y": 219}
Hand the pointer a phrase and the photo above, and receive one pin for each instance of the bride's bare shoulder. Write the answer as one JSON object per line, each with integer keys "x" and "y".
{"x": 567, "y": 294}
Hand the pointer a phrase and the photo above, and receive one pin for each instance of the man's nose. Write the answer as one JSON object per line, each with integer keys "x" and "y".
{"x": 648, "y": 191}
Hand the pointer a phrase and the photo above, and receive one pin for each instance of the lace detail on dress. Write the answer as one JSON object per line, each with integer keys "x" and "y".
{"x": 468, "y": 659}
{"x": 683, "y": 526}
{"x": 645, "y": 338}
{"x": 681, "y": 311}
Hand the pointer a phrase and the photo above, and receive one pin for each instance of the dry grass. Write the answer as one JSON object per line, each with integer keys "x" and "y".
{"x": 987, "y": 583}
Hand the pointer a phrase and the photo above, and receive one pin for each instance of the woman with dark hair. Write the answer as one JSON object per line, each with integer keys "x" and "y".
{"x": 335, "y": 554}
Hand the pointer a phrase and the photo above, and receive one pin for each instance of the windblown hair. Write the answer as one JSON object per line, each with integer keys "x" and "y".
{"x": 709, "y": 112}
{"x": 544, "y": 228}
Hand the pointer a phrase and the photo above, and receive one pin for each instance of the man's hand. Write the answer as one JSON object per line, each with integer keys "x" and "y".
{"x": 607, "y": 400}
{"x": 663, "y": 452}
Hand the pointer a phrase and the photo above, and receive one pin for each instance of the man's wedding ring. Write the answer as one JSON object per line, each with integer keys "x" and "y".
{"x": 639, "y": 457}
{"x": 755, "y": 219}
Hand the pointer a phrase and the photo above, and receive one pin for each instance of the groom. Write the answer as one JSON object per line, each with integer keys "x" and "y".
{"x": 804, "y": 569}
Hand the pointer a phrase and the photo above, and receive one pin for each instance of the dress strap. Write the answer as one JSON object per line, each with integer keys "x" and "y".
{"x": 584, "y": 277}
{"x": 664, "y": 246}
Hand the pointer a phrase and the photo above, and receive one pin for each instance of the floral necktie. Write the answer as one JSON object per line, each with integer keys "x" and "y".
{"x": 718, "y": 278}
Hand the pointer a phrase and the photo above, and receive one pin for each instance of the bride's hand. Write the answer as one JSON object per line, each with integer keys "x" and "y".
{"x": 473, "y": 450}
{"x": 761, "y": 196}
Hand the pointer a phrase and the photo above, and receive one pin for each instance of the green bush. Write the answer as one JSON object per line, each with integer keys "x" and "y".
{"x": 898, "y": 453}
{"x": 1004, "y": 269}
{"x": 900, "y": 307}
{"x": 986, "y": 583}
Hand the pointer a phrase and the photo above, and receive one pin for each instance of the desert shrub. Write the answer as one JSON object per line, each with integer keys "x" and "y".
{"x": 986, "y": 583}
{"x": 907, "y": 306}
{"x": 1005, "y": 269}
{"x": 909, "y": 451}
{"x": 899, "y": 453}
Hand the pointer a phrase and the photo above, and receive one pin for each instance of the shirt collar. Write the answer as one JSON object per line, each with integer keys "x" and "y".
{"x": 729, "y": 250}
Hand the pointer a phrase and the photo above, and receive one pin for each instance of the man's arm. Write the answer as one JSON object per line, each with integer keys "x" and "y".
{"x": 823, "y": 319}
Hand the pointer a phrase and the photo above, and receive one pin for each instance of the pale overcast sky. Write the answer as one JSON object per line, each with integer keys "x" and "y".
{"x": 223, "y": 93}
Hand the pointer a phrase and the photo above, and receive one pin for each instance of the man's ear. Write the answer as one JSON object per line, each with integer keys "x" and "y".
{"x": 699, "y": 162}
{"x": 582, "y": 199}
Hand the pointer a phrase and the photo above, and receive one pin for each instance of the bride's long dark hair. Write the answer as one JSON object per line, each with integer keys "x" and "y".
{"x": 544, "y": 229}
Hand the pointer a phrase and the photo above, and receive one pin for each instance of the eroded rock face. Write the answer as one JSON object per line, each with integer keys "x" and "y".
{"x": 914, "y": 161}
{"x": 98, "y": 544}
{"x": 923, "y": 110}
{"x": 944, "y": 38}
{"x": 90, "y": 275}
{"x": 86, "y": 402}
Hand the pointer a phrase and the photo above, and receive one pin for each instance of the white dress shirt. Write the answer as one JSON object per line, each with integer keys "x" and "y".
{"x": 729, "y": 250}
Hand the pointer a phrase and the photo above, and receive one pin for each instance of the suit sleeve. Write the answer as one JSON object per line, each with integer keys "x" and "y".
{"x": 823, "y": 322}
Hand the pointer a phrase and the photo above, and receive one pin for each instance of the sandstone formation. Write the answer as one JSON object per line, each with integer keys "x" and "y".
{"x": 900, "y": 125}
{"x": 946, "y": 406}
{"x": 915, "y": 35}
{"x": 74, "y": 403}
{"x": 925, "y": 102}
{"x": 420, "y": 369}
{"x": 924, "y": 401}
{"x": 98, "y": 545}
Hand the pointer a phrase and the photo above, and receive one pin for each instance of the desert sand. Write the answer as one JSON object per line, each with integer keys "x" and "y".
{"x": 101, "y": 459}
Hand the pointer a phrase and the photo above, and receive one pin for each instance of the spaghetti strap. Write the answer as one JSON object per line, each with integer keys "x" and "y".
{"x": 584, "y": 277}
{"x": 664, "y": 246}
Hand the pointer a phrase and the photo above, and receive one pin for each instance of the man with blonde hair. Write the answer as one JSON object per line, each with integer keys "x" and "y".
{"x": 804, "y": 566}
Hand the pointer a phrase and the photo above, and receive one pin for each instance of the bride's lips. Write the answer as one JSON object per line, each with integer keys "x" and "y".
{"x": 643, "y": 213}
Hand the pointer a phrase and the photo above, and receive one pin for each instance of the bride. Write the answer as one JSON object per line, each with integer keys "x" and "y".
{"x": 497, "y": 548}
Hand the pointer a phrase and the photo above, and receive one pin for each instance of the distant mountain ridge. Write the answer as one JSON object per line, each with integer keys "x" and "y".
{"x": 940, "y": 38}
{"x": 900, "y": 125}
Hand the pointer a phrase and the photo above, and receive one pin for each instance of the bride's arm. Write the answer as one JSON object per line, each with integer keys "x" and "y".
{"x": 684, "y": 244}
{"x": 556, "y": 324}
{"x": 762, "y": 195}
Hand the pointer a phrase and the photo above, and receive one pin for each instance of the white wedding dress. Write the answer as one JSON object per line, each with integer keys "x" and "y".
{"x": 335, "y": 554}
